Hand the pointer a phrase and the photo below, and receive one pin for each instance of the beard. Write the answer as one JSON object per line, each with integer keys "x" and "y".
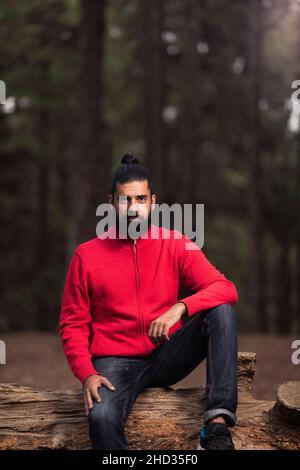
{"x": 133, "y": 228}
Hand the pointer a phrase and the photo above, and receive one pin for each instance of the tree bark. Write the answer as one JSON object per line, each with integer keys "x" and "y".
{"x": 161, "y": 418}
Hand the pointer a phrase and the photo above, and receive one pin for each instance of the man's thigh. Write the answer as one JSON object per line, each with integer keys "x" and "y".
{"x": 123, "y": 372}
{"x": 178, "y": 357}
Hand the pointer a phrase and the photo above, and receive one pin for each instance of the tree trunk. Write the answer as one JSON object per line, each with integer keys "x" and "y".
{"x": 161, "y": 418}
{"x": 88, "y": 168}
{"x": 190, "y": 176}
{"x": 152, "y": 56}
{"x": 253, "y": 145}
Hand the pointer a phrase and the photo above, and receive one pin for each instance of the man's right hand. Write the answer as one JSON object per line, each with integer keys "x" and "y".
{"x": 90, "y": 390}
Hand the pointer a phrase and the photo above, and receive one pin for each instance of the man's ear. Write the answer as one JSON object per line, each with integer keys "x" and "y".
{"x": 110, "y": 199}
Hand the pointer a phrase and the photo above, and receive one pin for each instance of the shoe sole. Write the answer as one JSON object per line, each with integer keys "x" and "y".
{"x": 199, "y": 447}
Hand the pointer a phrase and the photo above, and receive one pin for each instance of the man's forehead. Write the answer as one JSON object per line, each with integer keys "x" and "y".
{"x": 135, "y": 190}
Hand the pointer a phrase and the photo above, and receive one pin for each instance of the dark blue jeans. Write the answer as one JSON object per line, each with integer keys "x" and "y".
{"x": 210, "y": 334}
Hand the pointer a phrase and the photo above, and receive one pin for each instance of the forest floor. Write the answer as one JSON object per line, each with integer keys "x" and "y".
{"x": 37, "y": 360}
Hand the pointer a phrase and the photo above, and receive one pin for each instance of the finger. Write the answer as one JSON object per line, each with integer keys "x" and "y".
{"x": 162, "y": 334}
{"x": 165, "y": 332}
{"x": 154, "y": 330}
{"x": 108, "y": 384}
{"x": 89, "y": 400}
{"x": 151, "y": 335}
{"x": 86, "y": 406}
{"x": 95, "y": 394}
{"x": 159, "y": 333}
{"x": 160, "y": 330}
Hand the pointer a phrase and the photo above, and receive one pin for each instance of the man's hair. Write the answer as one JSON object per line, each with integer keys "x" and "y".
{"x": 131, "y": 170}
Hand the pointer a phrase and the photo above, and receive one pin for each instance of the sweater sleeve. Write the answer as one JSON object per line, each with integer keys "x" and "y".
{"x": 75, "y": 318}
{"x": 210, "y": 286}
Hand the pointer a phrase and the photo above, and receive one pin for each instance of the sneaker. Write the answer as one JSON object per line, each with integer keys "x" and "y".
{"x": 215, "y": 436}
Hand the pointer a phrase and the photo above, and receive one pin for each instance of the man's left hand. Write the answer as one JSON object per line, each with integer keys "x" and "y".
{"x": 159, "y": 328}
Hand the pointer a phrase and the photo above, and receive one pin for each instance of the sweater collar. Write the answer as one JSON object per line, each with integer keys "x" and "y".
{"x": 152, "y": 232}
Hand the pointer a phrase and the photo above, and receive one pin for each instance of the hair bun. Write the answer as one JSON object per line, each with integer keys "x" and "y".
{"x": 129, "y": 159}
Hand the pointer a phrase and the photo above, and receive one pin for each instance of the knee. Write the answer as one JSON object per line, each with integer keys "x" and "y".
{"x": 224, "y": 315}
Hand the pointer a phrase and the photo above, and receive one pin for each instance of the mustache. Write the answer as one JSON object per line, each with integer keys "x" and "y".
{"x": 140, "y": 217}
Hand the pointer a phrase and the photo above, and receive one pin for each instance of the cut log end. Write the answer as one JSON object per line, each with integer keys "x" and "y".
{"x": 287, "y": 406}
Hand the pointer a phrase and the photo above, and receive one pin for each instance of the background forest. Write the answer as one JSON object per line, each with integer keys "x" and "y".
{"x": 200, "y": 90}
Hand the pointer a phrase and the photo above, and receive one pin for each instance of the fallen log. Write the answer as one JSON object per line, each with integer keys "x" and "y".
{"x": 287, "y": 406}
{"x": 161, "y": 418}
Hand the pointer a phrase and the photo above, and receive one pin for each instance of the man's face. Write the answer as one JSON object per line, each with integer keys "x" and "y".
{"x": 135, "y": 204}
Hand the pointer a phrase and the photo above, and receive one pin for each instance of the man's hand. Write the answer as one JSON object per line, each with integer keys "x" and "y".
{"x": 159, "y": 328}
{"x": 90, "y": 390}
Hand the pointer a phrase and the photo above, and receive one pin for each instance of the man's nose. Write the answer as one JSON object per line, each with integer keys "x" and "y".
{"x": 133, "y": 209}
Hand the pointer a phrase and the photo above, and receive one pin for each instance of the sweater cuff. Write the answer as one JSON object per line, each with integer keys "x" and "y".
{"x": 84, "y": 371}
{"x": 192, "y": 305}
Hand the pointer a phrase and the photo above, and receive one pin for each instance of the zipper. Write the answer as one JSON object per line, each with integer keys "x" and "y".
{"x": 139, "y": 296}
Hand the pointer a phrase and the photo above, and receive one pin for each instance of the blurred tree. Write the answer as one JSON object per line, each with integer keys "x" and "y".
{"x": 88, "y": 171}
{"x": 253, "y": 149}
{"x": 151, "y": 55}
{"x": 198, "y": 90}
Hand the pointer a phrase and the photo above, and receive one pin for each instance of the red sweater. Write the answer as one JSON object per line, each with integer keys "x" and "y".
{"x": 115, "y": 288}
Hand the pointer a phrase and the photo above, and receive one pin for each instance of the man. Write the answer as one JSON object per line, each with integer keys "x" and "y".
{"x": 123, "y": 328}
